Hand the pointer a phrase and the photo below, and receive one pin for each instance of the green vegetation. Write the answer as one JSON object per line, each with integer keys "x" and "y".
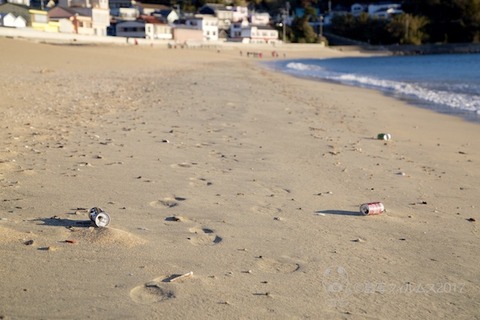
{"x": 401, "y": 29}
{"x": 424, "y": 21}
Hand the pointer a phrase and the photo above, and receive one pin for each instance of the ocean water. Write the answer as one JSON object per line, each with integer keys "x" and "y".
{"x": 445, "y": 83}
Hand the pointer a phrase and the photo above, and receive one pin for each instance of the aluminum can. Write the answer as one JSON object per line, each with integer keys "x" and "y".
{"x": 99, "y": 217}
{"x": 384, "y": 136}
{"x": 372, "y": 208}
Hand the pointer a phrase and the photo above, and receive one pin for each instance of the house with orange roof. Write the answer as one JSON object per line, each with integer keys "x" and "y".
{"x": 156, "y": 29}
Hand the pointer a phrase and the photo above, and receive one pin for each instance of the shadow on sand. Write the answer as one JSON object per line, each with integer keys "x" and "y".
{"x": 67, "y": 223}
{"x": 339, "y": 212}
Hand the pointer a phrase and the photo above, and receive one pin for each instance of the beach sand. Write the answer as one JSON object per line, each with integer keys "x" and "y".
{"x": 252, "y": 180}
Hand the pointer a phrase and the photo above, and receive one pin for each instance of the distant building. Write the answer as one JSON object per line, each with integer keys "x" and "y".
{"x": 128, "y": 14}
{"x": 184, "y": 34}
{"x": 20, "y": 2}
{"x": 166, "y": 15}
{"x": 240, "y": 14}
{"x": 15, "y": 15}
{"x": 258, "y": 34}
{"x": 72, "y": 20}
{"x": 156, "y": 29}
{"x": 260, "y": 18}
{"x": 10, "y": 20}
{"x": 223, "y": 14}
{"x": 98, "y": 10}
{"x": 208, "y": 24}
{"x": 131, "y": 29}
{"x": 385, "y": 10}
{"x": 40, "y": 21}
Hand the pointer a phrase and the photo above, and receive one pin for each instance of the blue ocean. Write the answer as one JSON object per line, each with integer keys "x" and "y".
{"x": 447, "y": 83}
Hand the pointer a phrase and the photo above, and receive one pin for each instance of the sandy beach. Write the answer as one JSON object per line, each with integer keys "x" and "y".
{"x": 251, "y": 180}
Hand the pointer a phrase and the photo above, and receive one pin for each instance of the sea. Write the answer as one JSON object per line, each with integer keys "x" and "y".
{"x": 447, "y": 83}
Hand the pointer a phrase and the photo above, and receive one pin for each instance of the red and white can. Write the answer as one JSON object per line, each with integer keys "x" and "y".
{"x": 372, "y": 208}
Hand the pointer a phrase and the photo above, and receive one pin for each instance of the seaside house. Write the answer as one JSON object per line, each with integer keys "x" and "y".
{"x": 260, "y": 18}
{"x": 10, "y": 20}
{"x": 187, "y": 35}
{"x": 40, "y": 21}
{"x": 131, "y": 29}
{"x": 206, "y": 23}
{"x": 259, "y": 34}
{"x": 240, "y": 14}
{"x": 223, "y": 14}
{"x": 128, "y": 14}
{"x": 156, "y": 29}
{"x": 72, "y": 20}
{"x": 15, "y": 15}
{"x": 236, "y": 29}
{"x": 98, "y": 10}
{"x": 166, "y": 15}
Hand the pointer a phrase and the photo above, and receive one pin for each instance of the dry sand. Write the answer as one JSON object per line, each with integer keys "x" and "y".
{"x": 207, "y": 162}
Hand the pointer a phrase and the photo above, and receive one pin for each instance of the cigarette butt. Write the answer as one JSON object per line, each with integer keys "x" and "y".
{"x": 183, "y": 276}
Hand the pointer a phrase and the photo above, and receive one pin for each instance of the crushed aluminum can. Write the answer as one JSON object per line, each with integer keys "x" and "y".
{"x": 99, "y": 217}
{"x": 384, "y": 136}
{"x": 372, "y": 208}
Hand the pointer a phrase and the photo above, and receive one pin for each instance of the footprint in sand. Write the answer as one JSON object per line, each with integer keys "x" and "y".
{"x": 266, "y": 209}
{"x": 203, "y": 237}
{"x": 183, "y": 165}
{"x": 200, "y": 236}
{"x": 152, "y": 292}
{"x": 167, "y": 202}
{"x": 199, "y": 181}
{"x": 282, "y": 265}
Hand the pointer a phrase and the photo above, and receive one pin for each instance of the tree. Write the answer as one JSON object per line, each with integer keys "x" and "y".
{"x": 449, "y": 20}
{"x": 408, "y": 29}
{"x": 302, "y": 31}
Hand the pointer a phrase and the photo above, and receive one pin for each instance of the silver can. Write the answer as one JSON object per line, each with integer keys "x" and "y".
{"x": 99, "y": 217}
{"x": 372, "y": 208}
{"x": 384, "y": 136}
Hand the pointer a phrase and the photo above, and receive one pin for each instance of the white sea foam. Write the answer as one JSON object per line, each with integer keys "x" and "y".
{"x": 454, "y": 99}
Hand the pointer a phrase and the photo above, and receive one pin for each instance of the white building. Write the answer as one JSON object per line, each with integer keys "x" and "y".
{"x": 100, "y": 17}
{"x": 222, "y": 13}
{"x": 128, "y": 14}
{"x": 159, "y": 31}
{"x": 237, "y": 27}
{"x": 10, "y": 20}
{"x": 239, "y": 14}
{"x": 259, "y": 34}
{"x": 260, "y": 18}
{"x": 208, "y": 24}
{"x": 20, "y": 2}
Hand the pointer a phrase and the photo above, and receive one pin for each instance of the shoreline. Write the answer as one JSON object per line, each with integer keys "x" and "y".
{"x": 249, "y": 178}
{"x": 467, "y": 115}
